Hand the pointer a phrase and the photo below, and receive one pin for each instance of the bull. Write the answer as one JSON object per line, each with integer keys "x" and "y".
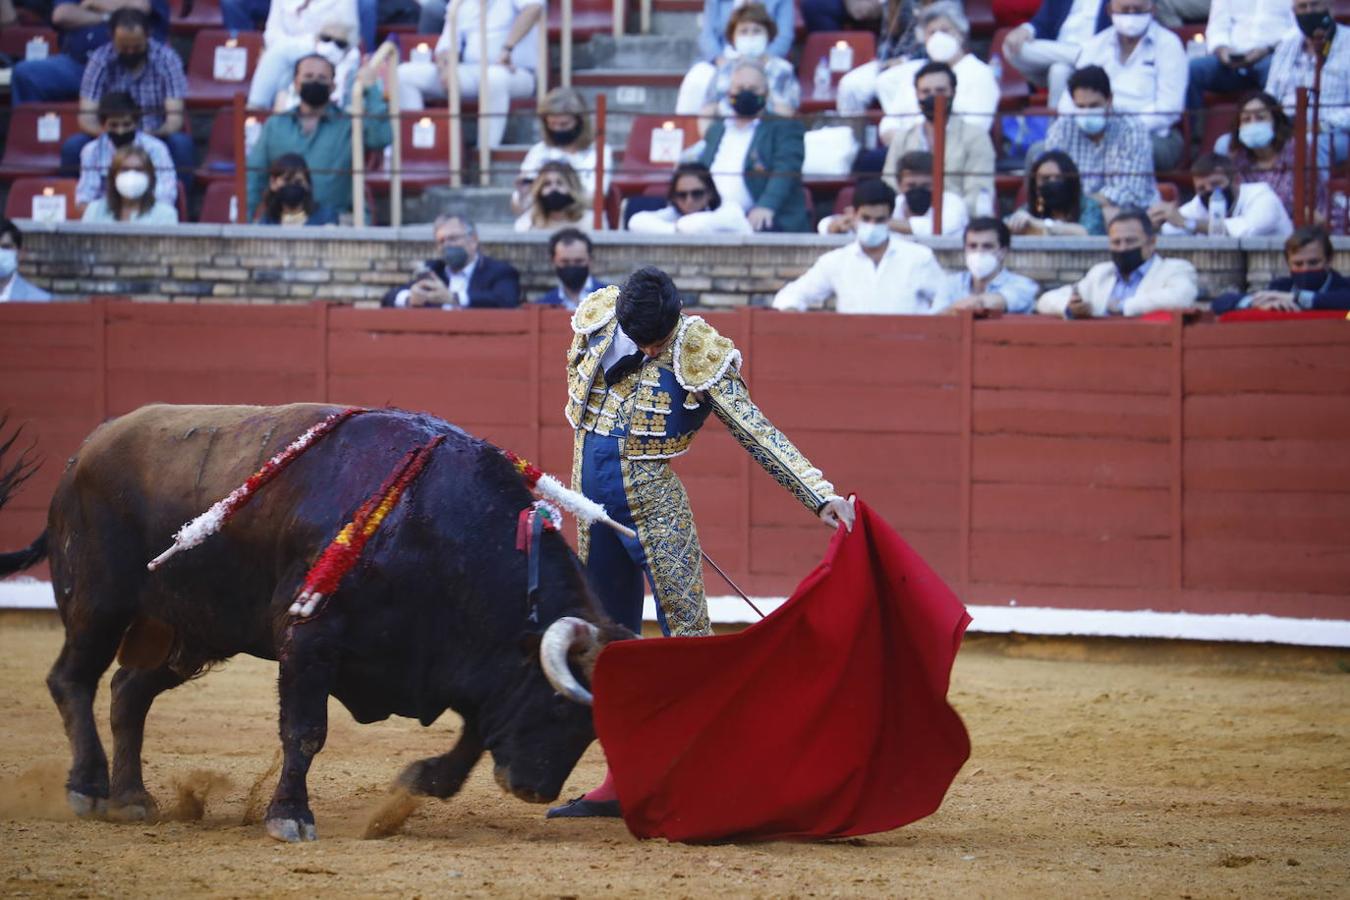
{"x": 434, "y": 617}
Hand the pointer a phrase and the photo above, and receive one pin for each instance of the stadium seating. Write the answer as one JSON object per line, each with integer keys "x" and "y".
{"x": 1014, "y": 89}
{"x": 218, "y": 204}
{"x": 34, "y": 138}
{"x": 219, "y": 160}
{"x": 589, "y": 18}
{"x": 205, "y": 90}
{"x": 14, "y": 40}
{"x": 204, "y": 14}
{"x": 424, "y": 165}
{"x": 637, "y": 170}
{"x": 24, "y": 191}
{"x": 820, "y": 44}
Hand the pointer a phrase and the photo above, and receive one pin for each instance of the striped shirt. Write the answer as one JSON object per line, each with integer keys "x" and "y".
{"x": 1119, "y": 166}
{"x": 160, "y": 78}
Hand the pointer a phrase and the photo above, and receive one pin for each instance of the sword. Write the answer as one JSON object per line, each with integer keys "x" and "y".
{"x": 709, "y": 560}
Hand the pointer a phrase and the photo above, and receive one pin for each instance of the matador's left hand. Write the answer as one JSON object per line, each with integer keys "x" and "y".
{"x": 837, "y": 512}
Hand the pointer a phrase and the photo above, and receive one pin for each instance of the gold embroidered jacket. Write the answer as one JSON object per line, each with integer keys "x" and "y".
{"x": 656, "y": 411}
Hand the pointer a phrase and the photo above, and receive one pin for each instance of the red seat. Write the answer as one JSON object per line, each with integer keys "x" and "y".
{"x": 1218, "y": 121}
{"x": 19, "y": 205}
{"x": 843, "y": 200}
{"x": 204, "y": 14}
{"x": 14, "y": 40}
{"x": 219, "y": 205}
{"x": 980, "y": 14}
{"x": 637, "y": 169}
{"x": 219, "y": 160}
{"x": 26, "y": 153}
{"x": 422, "y": 166}
{"x": 1014, "y": 89}
{"x": 589, "y": 18}
{"x": 204, "y": 90}
{"x": 818, "y": 45}
{"x": 409, "y": 42}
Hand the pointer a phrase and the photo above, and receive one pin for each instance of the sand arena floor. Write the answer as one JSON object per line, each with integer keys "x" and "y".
{"x": 1098, "y": 769}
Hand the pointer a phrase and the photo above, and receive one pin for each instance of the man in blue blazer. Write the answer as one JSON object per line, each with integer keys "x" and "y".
{"x": 462, "y": 277}
{"x": 570, "y": 251}
{"x": 14, "y": 286}
{"x": 1044, "y": 49}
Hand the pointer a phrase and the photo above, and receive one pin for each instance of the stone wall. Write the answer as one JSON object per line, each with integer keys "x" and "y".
{"x": 192, "y": 263}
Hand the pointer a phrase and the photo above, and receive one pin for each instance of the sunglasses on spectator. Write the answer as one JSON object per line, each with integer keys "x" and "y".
{"x": 696, "y": 194}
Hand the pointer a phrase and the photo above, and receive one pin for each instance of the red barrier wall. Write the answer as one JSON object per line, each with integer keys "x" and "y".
{"x": 1110, "y": 465}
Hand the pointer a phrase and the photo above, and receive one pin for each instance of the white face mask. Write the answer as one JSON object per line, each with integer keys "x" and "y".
{"x": 132, "y": 184}
{"x": 752, "y": 45}
{"x": 873, "y": 234}
{"x": 942, "y": 47}
{"x": 1131, "y": 24}
{"x": 330, "y": 51}
{"x": 982, "y": 264}
{"x": 9, "y": 261}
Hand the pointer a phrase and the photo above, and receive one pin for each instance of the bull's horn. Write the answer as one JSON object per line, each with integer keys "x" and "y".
{"x": 554, "y": 648}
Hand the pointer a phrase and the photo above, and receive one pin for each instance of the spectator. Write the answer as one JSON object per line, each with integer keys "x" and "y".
{"x": 946, "y": 32}
{"x": 84, "y": 28}
{"x": 1044, "y": 50}
{"x": 557, "y": 200}
{"x": 120, "y": 117}
{"x": 842, "y": 15}
{"x": 320, "y": 133}
{"x": 1240, "y": 37}
{"x": 289, "y": 198}
{"x": 1135, "y": 282}
{"x": 1262, "y": 149}
{"x": 13, "y": 286}
{"x": 337, "y": 44}
{"x": 151, "y": 73}
{"x": 913, "y": 213}
{"x": 244, "y": 15}
{"x": 1056, "y": 204}
{"x": 570, "y": 250}
{"x": 750, "y": 32}
{"x": 880, "y": 272}
{"x": 1250, "y": 210}
{"x": 968, "y": 159}
{"x": 693, "y": 207}
{"x": 1112, "y": 152}
{"x": 512, "y": 53}
{"x": 715, "y": 46}
{"x": 461, "y": 277}
{"x": 898, "y": 42}
{"x": 1294, "y": 66}
{"x": 131, "y": 195}
{"x": 292, "y": 32}
{"x": 1311, "y": 283}
{"x": 1176, "y": 13}
{"x": 986, "y": 285}
{"x": 756, "y": 159}
{"x": 1147, "y": 68}
{"x": 566, "y": 125}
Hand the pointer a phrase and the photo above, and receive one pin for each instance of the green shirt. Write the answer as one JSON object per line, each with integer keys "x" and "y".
{"x": 327, "y": 149}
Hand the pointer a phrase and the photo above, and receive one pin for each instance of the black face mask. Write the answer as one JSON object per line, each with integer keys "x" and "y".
{"x": 131, "y": 60}
{"x": 563, "y": 137}
{"x": 1311, "y": 22}
{"x": 573, "y": 277}
{"x": 918, "y": 200}
{"x": 315, "y": 94}
{"x": 121, "y": 138}
{"x": 928, "y": 106}
{"x": 456, "y": 258}
{"x": 1309, "y": 281}
{"x": 1229, "y": 196}
{"x": 1127, "y": 260}
{"x": 1056, "y": 196}
{"x": 555, "y": 201}
{"x": 747, "y": 103}
{"x": 293, "y": 194}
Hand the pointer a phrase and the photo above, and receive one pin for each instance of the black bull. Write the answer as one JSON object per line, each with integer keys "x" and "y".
{"x": 433, "y": 617}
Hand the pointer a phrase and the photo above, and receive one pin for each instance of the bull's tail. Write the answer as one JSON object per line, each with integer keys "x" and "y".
{"x": 10, "y": 479}
{"x": 23, "y": 559}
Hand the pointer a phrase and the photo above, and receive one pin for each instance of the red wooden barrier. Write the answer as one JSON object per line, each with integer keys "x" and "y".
{"x": 1088, "y": 465}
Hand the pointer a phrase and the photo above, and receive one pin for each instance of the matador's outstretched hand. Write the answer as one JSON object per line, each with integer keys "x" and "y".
{"x": 839, "y": 512}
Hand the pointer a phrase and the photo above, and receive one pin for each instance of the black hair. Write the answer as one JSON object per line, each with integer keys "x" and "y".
{"x": 1068, "y": 170}
{"x": 1133, "y": 214}
{"x": 703, "y": 174}
{"x": 568, "y": 236}
{"x": 118, "y": 103}
{"x": 332, "y": 69}
{"x": 649, "y": 305}
{"x": 930, "y": 68}
{"x": 874, "y": 192}
{"x": 1209, "y": 163}
{"x": 915, "y": 161}
{"x": 1092, "y": 78}
{"x": 285, "y": 164}
{"x": 989, "y": 223}
{"x": 127, "y": 17}
{"x": 1302, "y": 237}
{"x": 8, "y": 227}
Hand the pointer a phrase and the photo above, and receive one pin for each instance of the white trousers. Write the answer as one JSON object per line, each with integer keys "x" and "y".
{"x": 857, "y": 89}
{"x": 1047, "y": 63}
{"x": 419, "y": 81}
{"x": 694, "y": 89}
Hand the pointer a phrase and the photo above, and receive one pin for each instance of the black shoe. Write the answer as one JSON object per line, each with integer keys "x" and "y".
{"x": 581, "y": 808}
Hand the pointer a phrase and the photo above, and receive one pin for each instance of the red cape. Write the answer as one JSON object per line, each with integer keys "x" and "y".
{"x": 829, "y": 718}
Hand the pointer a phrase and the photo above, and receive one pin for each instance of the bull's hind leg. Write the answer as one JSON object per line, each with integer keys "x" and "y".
{"x": 133, "y": 690}
{"x": 442, "y": 776}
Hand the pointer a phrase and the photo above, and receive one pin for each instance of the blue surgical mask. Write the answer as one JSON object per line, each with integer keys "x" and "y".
{"x": 873, "y": 234}
{"x": 1091, "y": 123}
{"x": 1256, "y": 135}
{"x": 9, "y": 261}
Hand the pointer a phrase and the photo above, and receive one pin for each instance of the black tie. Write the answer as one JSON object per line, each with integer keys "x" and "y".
{"x": 626, "y": 364}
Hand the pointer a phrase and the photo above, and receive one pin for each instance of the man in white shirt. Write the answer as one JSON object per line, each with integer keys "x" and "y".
{"x": 1249, "y": 210}
{"x": 1044, "y": 49}
{"x": 512, "y": 53}
{"x": 1240, "y": 38}
{"x": 1148, "y": 70}
{"x": 913, "y": 203}
{"x": 880, "y": 273}
{"x": 1294, "y": 65}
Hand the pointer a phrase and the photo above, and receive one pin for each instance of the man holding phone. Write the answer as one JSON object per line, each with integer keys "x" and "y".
{"x": 461, "y": 277}
{"x": 1241, "y": 36}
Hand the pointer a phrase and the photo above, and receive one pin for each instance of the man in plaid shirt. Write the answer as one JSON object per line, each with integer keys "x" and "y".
{"x": 120, "y": 117}
{"x": 1294, "y": 65}
{"x": 148, "y": 70}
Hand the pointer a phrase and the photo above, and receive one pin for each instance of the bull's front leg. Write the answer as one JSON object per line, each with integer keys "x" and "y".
{"x": 442, "y": 776}
{"x": 309, "y": 660}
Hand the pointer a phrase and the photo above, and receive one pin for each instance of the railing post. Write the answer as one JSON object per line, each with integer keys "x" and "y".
{"x": 620, "y": 11}
{"x": 452, "y": 95}
{"x": 396, "y": 147}
{"x": 645, "y": 20}
{"x": 1301, "y": 158}
{"x": 356, "y": 107}
{"x": 565, "y": 50}
{"x": 939, "y": 160}
{"x": 541, "y": 70}
{"x": 598, "y": 198}
{"x": 240, "y": 162}
{"x": 484, "y": 118}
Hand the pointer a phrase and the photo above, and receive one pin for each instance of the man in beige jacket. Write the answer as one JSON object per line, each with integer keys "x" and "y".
{"x": 1136, "y": 281}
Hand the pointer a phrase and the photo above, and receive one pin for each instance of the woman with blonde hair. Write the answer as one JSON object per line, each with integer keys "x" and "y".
{"x": 557, "y": 200}
{"x": 131, "y": 192}
{"x": 565, "y": 123}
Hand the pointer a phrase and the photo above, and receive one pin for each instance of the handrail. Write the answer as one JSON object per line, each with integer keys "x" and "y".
{"x": 939, "y": 160}
{"x": 240, "y": 161}
{"x": 598, "y": 194}
{"x": 452, "y": 95}
{"x": 356, "y": 108}
{"x": 541, "y": 69}
{"x": 645, "y": 17}
{"x": 1301, "y": 167}
{"x": 620, "y": 10}
{"x": 565, "y": 48}
{"x": 484, "y": 150}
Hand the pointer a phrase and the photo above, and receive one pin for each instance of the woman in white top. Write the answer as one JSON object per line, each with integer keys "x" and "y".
{"x": 568, "y": 137}
{"x": 131, "y": 192}
{"x": 750, "y": 31}
{"x": 694, "y": 207}
{"x": 557, "y": 200}
{"x": 292, "y": 32}
{"x": 337, "y": 43}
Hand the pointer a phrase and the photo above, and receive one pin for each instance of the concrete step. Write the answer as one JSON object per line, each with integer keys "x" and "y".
{"x": 677, "y": 17}
{"x": 637, "y": 52}
{"x": 506, "y": 162}
{"x": 629, "y": 93}
{"x": 484, "y": 205}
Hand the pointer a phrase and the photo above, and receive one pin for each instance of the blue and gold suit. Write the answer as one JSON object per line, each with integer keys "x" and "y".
{"x": 627, "y": 433}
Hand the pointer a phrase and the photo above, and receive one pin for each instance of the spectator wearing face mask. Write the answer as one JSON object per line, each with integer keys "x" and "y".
{"x": 1148, "y": 71}
{"x": 289, "y": 199}
{"x": 1311, "y": 283}
{"x": 131, "y": 192}
{"x": 1113, "y": 153}
{"x": 913, "y": 213}
{"x": 986, "y": 285}
{"x": 968, "y": 158}
{"x": 1044, "y": 49}
{"x": 1245, "y": 210}
{"x": 337, "y": 44}
{"x": 693, "y": 207}
{"x": 878, "y": 273}
{"x": 717, "y": 46}
{"x": 898, "y": 42}
{"x": 946, "y": 32}
{"x": 292, "y": 33}
{"x": 13, "y": 286}
{"x": 566, "y": 125}
{"x": 461, "y": 277}
{"x": 750, "y": 32}
{"x": 1240, "y": 38}
{"x": 1056, "y": 204}
{"x": 120, "y": 117}
{"x": 1294, "y": 65}
{"x": 557, "y": 200}
{"x": 1136, "y": 281}
{"x": 570, "y": 252}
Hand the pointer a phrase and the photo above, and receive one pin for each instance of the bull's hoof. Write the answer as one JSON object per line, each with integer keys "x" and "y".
{"x": 140, "y": 809}
{"x": 85, "y": 806}
{"x": 292, "y": 831}
{"x": 581, "y": 808}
